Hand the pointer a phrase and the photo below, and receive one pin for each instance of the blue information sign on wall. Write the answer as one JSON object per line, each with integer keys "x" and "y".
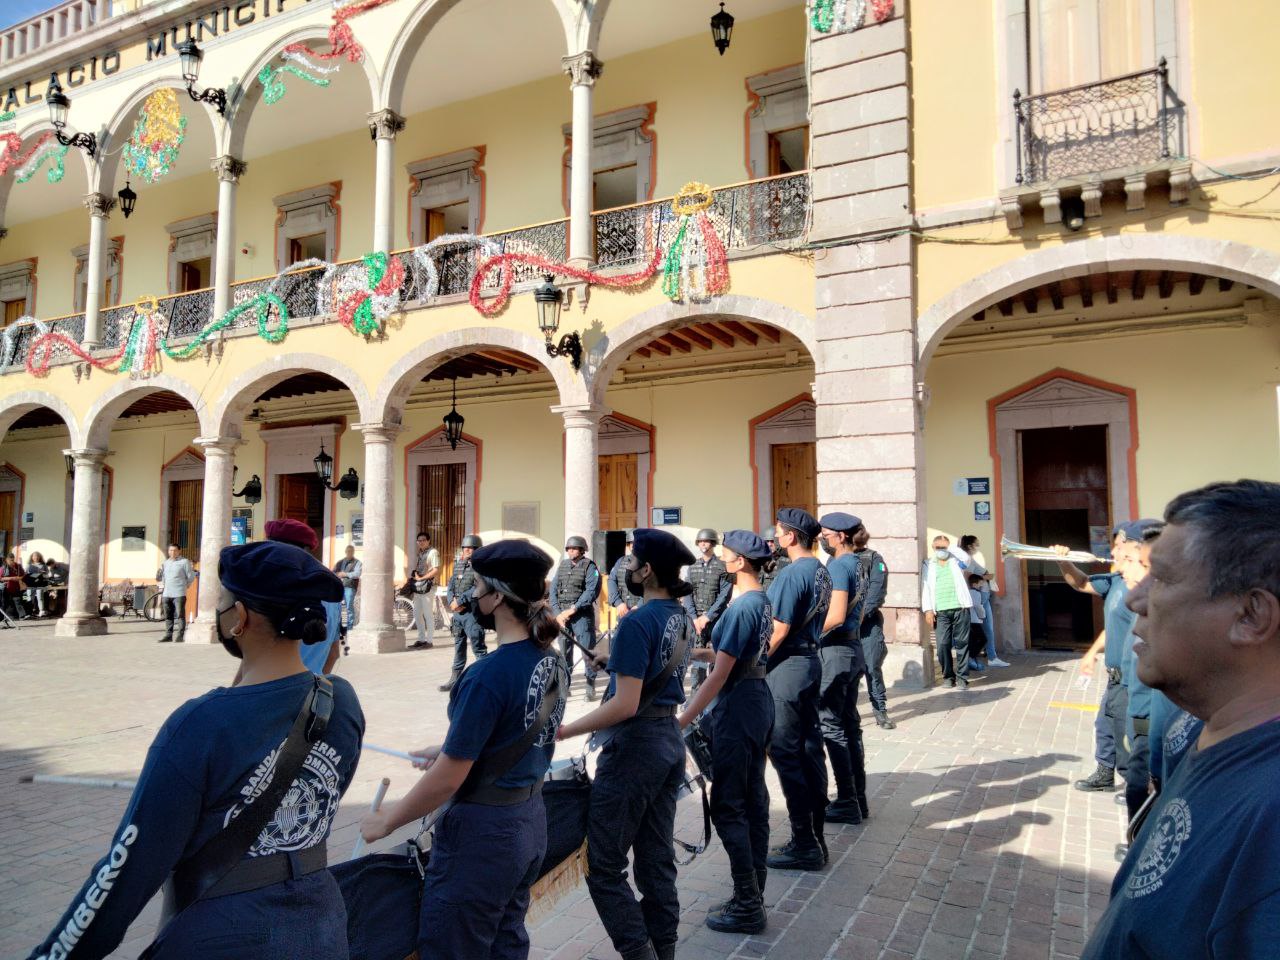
{"x": 665, "y": 516}
{"x": 979, "y": 486}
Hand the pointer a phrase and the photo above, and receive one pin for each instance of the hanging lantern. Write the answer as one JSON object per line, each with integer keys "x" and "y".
{"x": 454, "y": 421}
{"x": 252, "y": 491}
{"x": 722, "y": 29}
{"x": 549, "y": 299}
{"x": 128, "y": 199}
{"x": 324, "y": 465}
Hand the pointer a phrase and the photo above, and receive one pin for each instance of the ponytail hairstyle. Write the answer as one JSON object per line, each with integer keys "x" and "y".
{"x": 861, "y": 537}
{"x": 306, "y": 620}
{"x": 536, "y": 614}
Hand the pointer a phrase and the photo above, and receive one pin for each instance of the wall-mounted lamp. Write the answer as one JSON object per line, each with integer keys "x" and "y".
{"x": 190, "y": 54}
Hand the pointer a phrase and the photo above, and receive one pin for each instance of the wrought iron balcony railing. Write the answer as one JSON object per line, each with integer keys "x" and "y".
{"x": 746, "y": 215}
{"x": 1130, "y": 121}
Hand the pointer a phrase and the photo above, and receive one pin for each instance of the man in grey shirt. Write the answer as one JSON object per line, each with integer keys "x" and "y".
{"x": 174, "y": 577}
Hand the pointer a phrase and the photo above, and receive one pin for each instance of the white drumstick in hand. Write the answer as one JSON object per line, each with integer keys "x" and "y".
{"x": 373, "y": 808}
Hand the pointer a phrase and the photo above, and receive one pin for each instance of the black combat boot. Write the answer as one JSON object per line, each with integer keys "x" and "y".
{"x": 665, "y": 952}
{"x": 761, "y": 876}
{"x": 883, "y": 721}
{"x": 643, "y": 953}
{"x": 801, "y": 852}
{"x": 862, "y": 806}
{"x": 744, "y": 913}
{"x": 844, "y": 811}
{"x": 1104, "y": 778}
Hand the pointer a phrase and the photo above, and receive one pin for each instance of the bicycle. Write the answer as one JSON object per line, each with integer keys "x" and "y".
{"x": 153, "y": 607}
{"x": 401, "y": 612}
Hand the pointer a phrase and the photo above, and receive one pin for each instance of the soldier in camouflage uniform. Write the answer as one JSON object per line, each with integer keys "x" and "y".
{"x": 712, "y": 587}
{"x": 774, "y": 566}
{"x": 622, "y": 599}
{"x": 464, "y": 626}
{"x": 573, "y": 599}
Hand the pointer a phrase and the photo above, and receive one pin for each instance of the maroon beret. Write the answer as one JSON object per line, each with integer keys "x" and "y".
{"x": 292, "y": 531}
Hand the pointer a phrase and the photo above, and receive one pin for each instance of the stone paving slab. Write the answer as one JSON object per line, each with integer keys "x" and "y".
{"x": 977, "y": 846}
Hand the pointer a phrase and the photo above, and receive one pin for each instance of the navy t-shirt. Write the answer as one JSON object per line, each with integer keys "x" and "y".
{"x": 802, "y": 588}
{"x": 644, "y": 641}
{"x": 213, "y": 754}
{"x": 846, "y": 575}
{"x": 1116, "y": 617}
{"x": 1139, "y": 693}
{"x": 744, "y": 630}
{"x": 1200, "y": 880}
{"x": 496, "y": 700}
{"x": 1173, "y": 731}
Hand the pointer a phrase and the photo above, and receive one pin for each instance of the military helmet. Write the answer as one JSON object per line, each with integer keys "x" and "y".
{"x": 631, "y": 535}
{"x": 706, "y": 533}
{"x": 578, "y": 542}
{"x": 471, "y": 540}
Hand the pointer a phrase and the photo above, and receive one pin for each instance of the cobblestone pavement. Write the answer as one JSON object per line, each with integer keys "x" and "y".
{"x": 977, "y": 846}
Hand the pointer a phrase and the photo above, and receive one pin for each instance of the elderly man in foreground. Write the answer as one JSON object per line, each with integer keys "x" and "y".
{"x": 1200, "y": 880}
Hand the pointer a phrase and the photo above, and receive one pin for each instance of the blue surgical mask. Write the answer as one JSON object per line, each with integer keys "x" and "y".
{"x": 942, "y": 553}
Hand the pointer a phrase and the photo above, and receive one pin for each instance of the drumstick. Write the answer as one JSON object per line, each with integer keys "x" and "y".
{"x": 391, "y": 753}
{"x": 373, "y": 808}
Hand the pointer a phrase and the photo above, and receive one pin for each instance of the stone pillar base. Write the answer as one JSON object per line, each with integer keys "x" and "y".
{"x": 908, "y": 667}
{"x": 376, "y": 638}
{"x": 202, "y": 631}
{"x": 80, "y": 626}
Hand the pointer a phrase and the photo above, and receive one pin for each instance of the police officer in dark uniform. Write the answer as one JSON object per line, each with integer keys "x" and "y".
{"x": 799, "y": 596}
{"x": 278, "y": 902}
{"x": 621, "y": 599}
{"x": 780, "y": 559}
{"x": 843, "y": 666}
{"x": 633, "y": 798}
{"x": 573, "y": 600}
{"x": 740, "y": 717}
{"x": 711, "y": 588}
{"x": 875, "y": 573}
{"x": 463, "y": 624}
{"x": 489, "y": 844}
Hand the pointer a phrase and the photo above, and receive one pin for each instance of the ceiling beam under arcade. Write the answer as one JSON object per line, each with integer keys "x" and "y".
{"x": 767, "y": 332}
{"x": 1196, "y": 283}
{"x": 719, "y": 334}
{"x": 1165, "y": 286}
{"x": 1055, "y": 295}
{"x": 1138, "y": 289}
{"x": 742, "y": 331}
{"x": 693, "y": 336}
{"x": 673, "y": 339}
{"x": 1086, "y": 291}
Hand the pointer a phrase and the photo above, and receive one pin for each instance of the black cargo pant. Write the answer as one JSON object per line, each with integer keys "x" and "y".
{"x": 466, "y": 629}
{"x": 796, "y": 745}
{"x": 842, "y": 669}
{"x": 874, "y": 652}
{"x": 581, "y": 627}
{"x": 1110, "y": 725}
{"x": 951, "y": 630}
{"x": 633, "y": 810}
{"x": 740, "y": 727}
{"x": 1138, "y": 770}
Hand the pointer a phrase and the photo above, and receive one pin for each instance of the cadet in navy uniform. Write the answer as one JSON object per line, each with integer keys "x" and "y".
{"x": 1200, "y": 880}
{"x": 573, "y": 600}
{"x": 1137, "y": 774}
{"x": 799, "y": 596}
{"x": 843, "y": 665}
{"x": 711, "y": 587}
{"x": 621, "y": 599}
{"x": 208, "y": 763}
{"x": 874, "y": 650}
{"x": 463, "y": 625}
{"x": 489, "y": 844}
{"x": 741, "y": 720}
{"x": 633, "y": 798}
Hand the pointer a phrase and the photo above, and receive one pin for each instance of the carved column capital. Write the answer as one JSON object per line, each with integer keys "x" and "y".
{"x": 385, "y": 124}
{"x": 378, "y": 432}
{"x": 218, "y": 446}
{"x": 583, "y": 68}
{"x": 99, "y": 204}
{"x": 229, "y": 168}
{"x": 88, "y": 457}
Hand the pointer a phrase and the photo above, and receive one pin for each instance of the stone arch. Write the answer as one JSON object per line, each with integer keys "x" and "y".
{"x": 1224, "y": 258}
{"x": 228, "y": 413}
{"x": 581, "y": 32}
{"x": 245, "y": 93}
{"x": 614, "y": 347}
{"x": 103, "y": 179}
{"x": 9, "y": 179}
{"x": 399, "y": 381}
{"x": 117, "y": 398}
{"x": 413, "y": 34}
{"x": 15, "y": 405}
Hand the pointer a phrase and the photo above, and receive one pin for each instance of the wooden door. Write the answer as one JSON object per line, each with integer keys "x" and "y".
{"x": 619, "y": 491}
{"x": 186, "y": 511}
{"x": 301, "y": 498}
{"x": 442, "y": 511}
{"x": 795, "y": 476}
{"x": 8, "y": 505}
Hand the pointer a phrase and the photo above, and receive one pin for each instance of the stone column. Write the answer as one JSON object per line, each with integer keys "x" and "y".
{"x": 583, "y": 69}
{"x": 99, "y": 207}
{"x": 82, "y": 618}
{"x": 383, "y": 127}
{"x": 229, "y": 171}
{"x": 868, "y": 385}
{"x": 215, "y": 529}
{"x": 581, "y": 469}
{"x": 376, "y": 632}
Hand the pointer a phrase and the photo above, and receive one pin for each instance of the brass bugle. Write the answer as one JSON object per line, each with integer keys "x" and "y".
{"x": 1022, "y": 551}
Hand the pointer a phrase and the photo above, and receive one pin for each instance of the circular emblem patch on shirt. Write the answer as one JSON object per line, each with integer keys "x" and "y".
{"x": 539, "y": 681}
{"x": 1163, "y": 845}
{"x": 307, "y": 810}
{"x": 671, "y": 634}
{"x": 1176, "y": 737}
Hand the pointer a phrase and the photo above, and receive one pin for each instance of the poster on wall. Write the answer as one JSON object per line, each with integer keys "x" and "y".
{"x": 357, "y": 529}
{"x": 133, "y": 539}
{"x": 982, "y": 510}
{"x": 239, "y": 531}
{"x": 245, "y": 517}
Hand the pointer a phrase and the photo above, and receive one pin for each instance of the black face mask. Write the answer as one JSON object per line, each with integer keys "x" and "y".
{"x": 229, "y": 643}
{"x": 486, "y": 621}
{"x": 828, "y": 549}
{"x": 634, "y": 585}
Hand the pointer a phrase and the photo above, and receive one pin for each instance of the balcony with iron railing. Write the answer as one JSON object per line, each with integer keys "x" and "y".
{"x": 1120, "y": 133}
{"x": 751, "y": 219}
{"x": 53, "y": 26}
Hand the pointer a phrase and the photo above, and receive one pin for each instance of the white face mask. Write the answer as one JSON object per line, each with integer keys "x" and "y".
{"x": 941, "y": 553}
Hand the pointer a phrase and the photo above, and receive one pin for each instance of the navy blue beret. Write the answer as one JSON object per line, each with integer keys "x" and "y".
{"x": 801, "y": 520}
{"x": 276, "y": 573}
{"x": 841, "y": 522}
{"x": 661, "y": 549}
{"x": 511, "y": 561}
{"x": 746, "y": 544}
{"x": 1136, "y": 530}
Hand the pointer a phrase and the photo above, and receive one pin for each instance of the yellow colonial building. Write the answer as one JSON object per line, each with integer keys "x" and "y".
{"x": 1005, "y": 267}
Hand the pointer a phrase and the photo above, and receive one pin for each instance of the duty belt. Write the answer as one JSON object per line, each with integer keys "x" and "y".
{"x": 842, "y": 639}
{"x": 254, "y": 873}
{"x": 1115, "y": 675}
{"x": 492, "y": 796}
{"x": 758, "y": 672}
{"x": 656, "y": 712}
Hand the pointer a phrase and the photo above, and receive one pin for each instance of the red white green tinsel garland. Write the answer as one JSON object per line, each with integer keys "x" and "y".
{"x": 138, "y": 354}
{"x": 304, "y": 62}
{"x": 696, "y": 267}
{"x": 843, "y": 16}
{"x": 25, "y": 165}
